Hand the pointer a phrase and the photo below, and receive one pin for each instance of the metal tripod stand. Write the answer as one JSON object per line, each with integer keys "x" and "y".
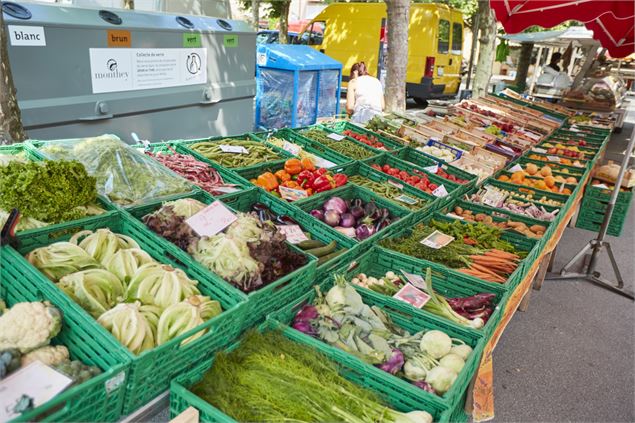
{"x": 598, "y": 244}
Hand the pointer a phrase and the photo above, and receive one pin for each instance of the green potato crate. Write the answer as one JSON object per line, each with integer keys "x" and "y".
{"x": 150, "y": 372}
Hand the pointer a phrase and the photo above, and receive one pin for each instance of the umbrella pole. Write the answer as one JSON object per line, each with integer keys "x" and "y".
{"x": 596, "y": 245}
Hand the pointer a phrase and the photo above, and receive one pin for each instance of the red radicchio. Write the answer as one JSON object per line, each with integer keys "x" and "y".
{"x": 394, "y": 363}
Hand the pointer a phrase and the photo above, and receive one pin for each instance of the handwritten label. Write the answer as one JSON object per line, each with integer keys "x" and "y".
{"x": 437, "y": 240}
{"x": 412, "y": 296}
{"x": 416, "y": 280}
{"x": 406, "y": 199}
{"x": 454, "y": 216}
{"x": 291, "y": 194}
{"x": 493, "y": 197}
{"x": 539, "y": 150}
{"x": 320, "y": 162}
{"x": 293, "y": 233}
{"x": 395, "y": 184}
{"x": 432, "y": 169}
{"x": 601, "y": 186}
{"x": 553, "y": 159}
{"x": 212, "y": 219}
{"x": 516, "y": 168}
{"x": 440, "y": 191}
{"x": 336, "y": 137}
{"x": 291, "y": 148}
{"x": 236, "y": 149}
{"x": 226, "y": 190}
{"x": 37, "y": 382}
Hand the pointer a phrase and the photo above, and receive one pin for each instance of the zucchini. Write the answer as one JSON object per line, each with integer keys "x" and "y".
{"x": 324, "y": 250}
{"x": 310, "y": 244}
{"x": 331, "y": 256}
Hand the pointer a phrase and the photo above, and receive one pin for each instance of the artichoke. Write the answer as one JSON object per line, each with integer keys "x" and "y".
{"x": 102, "y": 243}
{"x": 125, "y": 263}
{"x": 95, "y": 290}
{"x": 28, "y": 326}
{"x": 160, "y": 285}
{"x": 131, "y": 326}
{"x": 60, "y": 259}
{"x": 186, "y": 315}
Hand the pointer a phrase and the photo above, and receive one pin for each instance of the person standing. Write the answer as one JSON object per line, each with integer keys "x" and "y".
{"x": 364, "y": 96}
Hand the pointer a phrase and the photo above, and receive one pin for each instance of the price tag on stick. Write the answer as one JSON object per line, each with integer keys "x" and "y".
{"x": 212, "y": 219}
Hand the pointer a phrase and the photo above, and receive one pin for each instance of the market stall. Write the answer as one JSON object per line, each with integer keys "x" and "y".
{"x": 431, "y": 230}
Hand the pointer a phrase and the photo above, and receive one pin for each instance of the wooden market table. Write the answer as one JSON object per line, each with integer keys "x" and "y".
{"x": 480, "y": 395}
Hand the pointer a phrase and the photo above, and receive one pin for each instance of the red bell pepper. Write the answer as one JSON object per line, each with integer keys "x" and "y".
{"x": 306, "y": 179}
{"x": 323, "y": 183}
{"x": 340, "y": 179}
{"x": 321, "y": 171}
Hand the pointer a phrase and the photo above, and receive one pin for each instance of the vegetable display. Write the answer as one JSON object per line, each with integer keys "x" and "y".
{"x": 47, "y": 192}
{"x": 341, "y": 319}
{"x": 143, "y": 303}
{"x": 26, "y": 330}
{"x": 299, "y": 175}
{"x": 354, "y": 218}
{"x": 563, "y": 160}
{"x": 249, "y": 254}
{"x": 252, "y": 152}
{"x": 389, "y": 191}
{"x": 476, "y": 250}
{"x": 522, "y": 204}
{"x": 123, "y": 174}
{"x": 371, "y": 141}
{"x": 346, "y": 147}
{"x": 473, "y": 311}
{"x": 444, "y": 154}
{"x": 199, "y": 173}
{"x": 533, "y": 231}
{"x": 415, "y": 178}
{"x": 301, "y": 152}
{"x": 271, "y": 378}
{"x": 545, "y": 182}
{"x": 323, "y": 251}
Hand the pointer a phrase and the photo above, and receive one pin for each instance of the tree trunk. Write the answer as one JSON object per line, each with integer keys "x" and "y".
{"x": 11, "y": 129}
{"x": 523, "y": 65}
{"x": 284, "y": 22}
{"x": 255, "y": 13}
{"x": 397, "y": 57}
{"x": 128, "y": 4}
{"x": 487, "y": 48}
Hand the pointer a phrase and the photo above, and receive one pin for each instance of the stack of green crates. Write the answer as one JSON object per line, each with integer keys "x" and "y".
{"x": 593, "y": 209}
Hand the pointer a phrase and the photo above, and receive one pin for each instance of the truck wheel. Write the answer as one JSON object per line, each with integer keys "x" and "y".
{"x": 420, "y": 101}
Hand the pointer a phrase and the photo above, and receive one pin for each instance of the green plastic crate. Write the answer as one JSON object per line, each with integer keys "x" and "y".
{"x": 556, "y": 168}
{"x": 509, "y": 173}
{"x": 284, "y": 155}
{"x": 453, "y": 188}
{"x": 21, "y": 150}
{"x": 150, "y": 372}
{"x": 360, "y": 168}
{"x": 341, "y": 126}
{"x": 317, "y": 145}
{"x": 537, "y": 196}
{"x": 593, "y": 209}
{"x": 259, "y": 302}
{"x": 244, "y": 202}
{"x": 229, "y": 177}
{"x": 377, "y": 261}
{"x": 513, "y": 279}
{"x": 404, "y": 319}
{"x": 329, "y": 154}
{"x": 181, "y": 397}
{"x": 352, "y": 191}
{"x": 98, "y": 399}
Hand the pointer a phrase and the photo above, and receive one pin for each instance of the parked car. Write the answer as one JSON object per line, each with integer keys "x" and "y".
{"x": 271, "y": 36}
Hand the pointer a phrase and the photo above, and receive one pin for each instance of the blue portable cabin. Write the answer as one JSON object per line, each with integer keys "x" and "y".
{"x": 296, "y": 85}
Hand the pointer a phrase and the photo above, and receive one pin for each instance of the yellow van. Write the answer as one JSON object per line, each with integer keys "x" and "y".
{"x": 354, "y": 32}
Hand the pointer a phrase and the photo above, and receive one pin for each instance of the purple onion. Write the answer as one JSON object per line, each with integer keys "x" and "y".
{"x": 332, "y": 218}
{"x": 307, "y": 313}
{"x": 336, "y": 204}
{"x": 363, "y": 231}
{"x": 357, "y": 211}
{"x": 318, "y": 214}
{"x": 304, "y": 327}
{"x": 347, "y": 220}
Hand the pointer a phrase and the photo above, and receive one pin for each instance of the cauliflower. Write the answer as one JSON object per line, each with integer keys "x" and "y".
{"x": 49, "y": 355}
{"x": 28, "y": 326}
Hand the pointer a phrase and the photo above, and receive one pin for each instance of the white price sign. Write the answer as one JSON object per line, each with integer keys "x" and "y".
{"x": 293, "y": 233}
{"x": 516, "y": 168}
{"x": 336, "y": 137}
{"x": 432, "y": 169}
{"x": 236, "y": 149}
{"x": 437, "y": 240}
{"x": 291, "y": 148}
{"x": 553, "y": 159}
{"x": 291, "y": 194}
{"x": 212, "y": 219}
{"x": 440, "y": 191}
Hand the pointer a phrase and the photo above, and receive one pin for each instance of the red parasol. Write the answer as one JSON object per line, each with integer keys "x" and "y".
{"x": 612, "y": 21}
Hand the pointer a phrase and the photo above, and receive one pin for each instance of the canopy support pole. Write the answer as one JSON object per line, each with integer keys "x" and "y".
{"x": 596, "y": 245}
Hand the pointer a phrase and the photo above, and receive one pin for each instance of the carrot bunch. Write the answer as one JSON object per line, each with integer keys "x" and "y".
{"x": 492, "y": 266}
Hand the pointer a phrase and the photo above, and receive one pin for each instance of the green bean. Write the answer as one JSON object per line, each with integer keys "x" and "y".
{"x": 384, "y": 189}
{"x": 257, "y": 152}
{"x": 346, "y": 147}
